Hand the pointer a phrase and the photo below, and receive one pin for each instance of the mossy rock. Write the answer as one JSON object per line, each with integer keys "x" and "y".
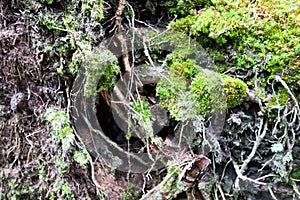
{"x": 184, "y": 98}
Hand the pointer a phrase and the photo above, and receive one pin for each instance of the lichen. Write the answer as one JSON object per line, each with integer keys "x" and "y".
{"x": 101, "y": 68}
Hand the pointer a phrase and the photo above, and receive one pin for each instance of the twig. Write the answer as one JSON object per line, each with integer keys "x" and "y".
{"x": 119, "y": 12}
{"x": 121, "y": 36}
{"x": 240, "y": 170}
{"x": 259, "y": 138}
{"x": 296, "y": 190}
{"x": 272, "y": 193}
{"x": 147, "y": 53}
{"x": 125, "y": 56}
{"x": 224, "y": 171}
{"x": 221, "y": 191}
{"x": 157, "y": 188}
{"x": 93, "y": 176}
{"x": 244, "y": 178}
{"x": 283, "y": 83}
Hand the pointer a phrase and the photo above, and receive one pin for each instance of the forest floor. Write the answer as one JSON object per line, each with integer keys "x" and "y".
{"x": 33, "y": 163}
{"x": 27, "y": 89}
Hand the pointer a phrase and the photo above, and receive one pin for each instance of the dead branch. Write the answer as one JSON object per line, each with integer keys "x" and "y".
{"x": 240, "y": 170}
{"x": 283, "y": 83}
{"x": 121, "y": 37}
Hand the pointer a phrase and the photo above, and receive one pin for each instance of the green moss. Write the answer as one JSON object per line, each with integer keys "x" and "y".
{"x": 208, "y": 92}
{"x": 76, "y": 28}
{"x": 172, "y": 96}
{"x": 281, "y": 98}
{"x": 254, "y": 37}
{"x": 101, "y": 69}
{"x": 235, "y": 90}
{"x": 185, "y": 93}
{"x": 81, "y": 157}
{"x": 185, "y": 67}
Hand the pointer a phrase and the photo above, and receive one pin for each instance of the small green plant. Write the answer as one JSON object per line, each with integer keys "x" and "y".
{"x": 17, "y": 190}
{"x": 42, "y": 174}
{"x": 61, "y": 190}
{"x": 280, "y": 99}
{"x": 60, "y": 126}
{"x": 62, "y": 133}
{"x": 128, "y": 136}
{"x": 61, "y": 165}
{"x": 81, "y": 157}
{"x": 51, "y": 22}
{"x": 142, "y": 107}
{"x": 101, "y": 67}
{"x": 47, "y": 1}
{"x": 130, "y": 193}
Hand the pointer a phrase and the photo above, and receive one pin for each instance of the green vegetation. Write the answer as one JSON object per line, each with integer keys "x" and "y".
{"x": 61, "y": 128}
{"x": 255, "y": 47}
{"x": 230, "y": 51}
{"x": 142, "y": 107}
{"x": 17, "y": 190}
{"x": 189, "y": 90}
{"x": 101, "y": 70}
{"x": 130, "y": 192}
{"x": 235, "y": 90}
{"x": 260, "y": 37}
{"x": 62, "y": 134}
{"x": 81, "y": 157}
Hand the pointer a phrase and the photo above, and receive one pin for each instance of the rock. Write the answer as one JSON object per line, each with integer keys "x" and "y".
{"x": 17, "y": 101}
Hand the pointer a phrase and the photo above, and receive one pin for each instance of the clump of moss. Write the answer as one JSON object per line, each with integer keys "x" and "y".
{"x": 187, "y": 68}
{"x": 188, "y": 90}
{"x": 185, "y": 95}
{"x": 207, "y": 90}
{"x": 173, "y": 97}
{"x": 235, "y": 90}
{"x": 101, "y": 68}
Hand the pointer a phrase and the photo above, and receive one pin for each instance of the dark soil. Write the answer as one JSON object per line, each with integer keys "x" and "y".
{"x": 30, "y": 85}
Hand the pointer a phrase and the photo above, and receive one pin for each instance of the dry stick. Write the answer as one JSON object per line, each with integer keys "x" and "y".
{"x": 278, "y": 78}
{"x": 296, "y": 190}
{"x": 221, "y": 191}
{"x": 160, "y": 185}
{"x": 296, "y": 113}
{"x": 256, "y": 145}
{"x": 244, "y": 178}
{"x": 125, "y": 56}
{"x": 119, "y": 12}
{"x": 240, "y": 170}
{"x": 272, "y": 193}
{"x": 121, "y": 36}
